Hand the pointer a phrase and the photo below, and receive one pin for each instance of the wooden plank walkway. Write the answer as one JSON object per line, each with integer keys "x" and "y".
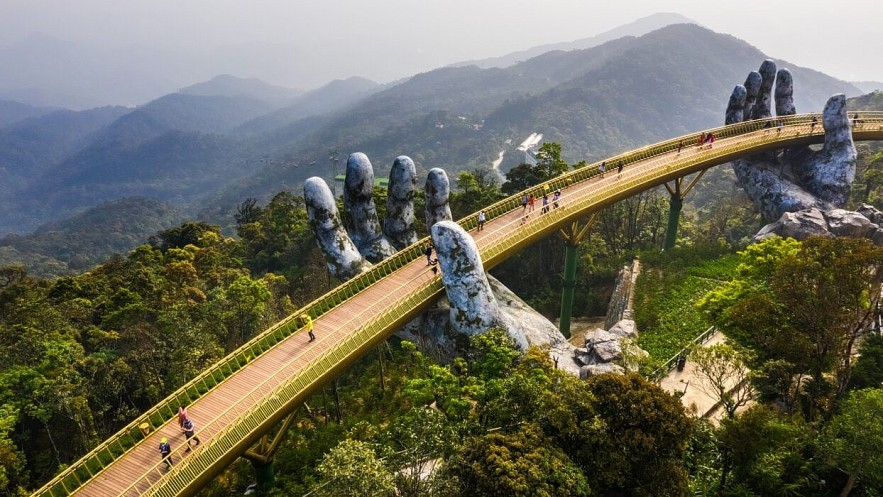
{"x": 135, "y": 472}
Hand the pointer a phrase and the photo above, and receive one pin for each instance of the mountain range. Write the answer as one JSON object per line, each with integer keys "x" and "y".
{"x": 208, "y": 147}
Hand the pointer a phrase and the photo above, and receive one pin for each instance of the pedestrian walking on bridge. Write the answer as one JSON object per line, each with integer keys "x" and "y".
{"x": 308, "y": 324}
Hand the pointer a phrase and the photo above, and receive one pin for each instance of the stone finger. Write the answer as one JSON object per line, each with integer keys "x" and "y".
{"x": 830, "y": 172}
{"x": 343, "y": 259}
{"x": 761, "y": 109}
{"x": 437, "y": 191}
{"x": 752, "y": 89}
{"x": 360, "y": 213}
{"x": 399, "y": 223}
{"x": 785, "y": 93}
{"x": 736, "y": 105}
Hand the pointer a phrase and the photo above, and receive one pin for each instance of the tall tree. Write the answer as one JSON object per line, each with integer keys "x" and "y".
{"x": 853, "y": 438}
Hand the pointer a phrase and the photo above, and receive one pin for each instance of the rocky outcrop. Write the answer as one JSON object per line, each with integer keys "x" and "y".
{"x": 610, "y": 351}
{"x": 803, "y": 224}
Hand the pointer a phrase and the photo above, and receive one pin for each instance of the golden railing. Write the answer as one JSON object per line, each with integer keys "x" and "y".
{"x": 643, "y": 168}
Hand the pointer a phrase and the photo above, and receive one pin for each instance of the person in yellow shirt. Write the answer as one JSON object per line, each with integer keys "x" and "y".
{"x": 308, "y": 323}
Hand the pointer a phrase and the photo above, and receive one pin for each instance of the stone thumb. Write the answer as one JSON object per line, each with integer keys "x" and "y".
{"x": 473, "y": 307}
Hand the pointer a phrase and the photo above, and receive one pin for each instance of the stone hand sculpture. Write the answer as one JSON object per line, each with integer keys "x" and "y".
{"x": 351, "y": 245}
{"x": 801, "y": 192}
{"x": 800, "y": 178}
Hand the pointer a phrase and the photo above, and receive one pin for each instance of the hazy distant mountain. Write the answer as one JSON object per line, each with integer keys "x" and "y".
{"x": 329, "y": 98}
{"x": 29, "y": 147}
{"x": 868, "y": 86}
{"x": 230, "y": 86}
{"x": 88, "y": 239}
{"x": 639, "y": 27}
{"x": 211, "y": 152}
{"x": 598, "y": 101}
{"x": 170, "y": 149}
{"x": 11, "y": 112}
{"x": 669, "y": 82}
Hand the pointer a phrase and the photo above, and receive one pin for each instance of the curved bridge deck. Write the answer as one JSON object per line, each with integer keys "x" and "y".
{"x": 255, "y": 387}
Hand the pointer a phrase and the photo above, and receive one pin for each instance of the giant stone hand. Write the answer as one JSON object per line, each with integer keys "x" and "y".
{"x": 351, "y": 245}
{"x": 797, "y": 179}
{"x": 801, "y": 192}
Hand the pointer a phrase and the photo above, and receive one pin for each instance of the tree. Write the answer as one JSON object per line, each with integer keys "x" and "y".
{"x": 189, "y": 233}
{"x": 868, "y": 371}
{"x": 637, "y": 443}
{"x": 804, "y": 303}
{"x": 765, "y": 453}
{"x": 521, "y": 177}
{"x": 853, "y": 438}
{"x": 723, "y": 375}
{"x": 418, "y": 440}
{"x": 353, "y": 469}
{"x": 549, "y": 165}
{"x": 831, "y": 290}
{"x": 549, "y": 161}
{"x": 521, "y": 463}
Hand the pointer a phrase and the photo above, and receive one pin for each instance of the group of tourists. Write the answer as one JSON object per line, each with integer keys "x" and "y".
{"x": 189, "y": 430}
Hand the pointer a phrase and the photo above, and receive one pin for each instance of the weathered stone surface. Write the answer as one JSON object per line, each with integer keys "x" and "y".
{"x": 399, "y": 223}
{"x": 813, "y": 222}
{"x": 625, "y": 328}
{"x": 597, "y": 369}
{"x": 842, "y": 222}
{"x": 343, "y": 258}
{"x": 360, "y": 213}
{"x": 798, "y": 225}
{"x": 872, "y": 213}
{"x": 590, "y": 335}
{"x": 605, "y": 346}
{"x": 473, "y": 307}
{"x": 437, "y": 190}
{"x": 583, "y": 357}
{"x": 802, "y": 179}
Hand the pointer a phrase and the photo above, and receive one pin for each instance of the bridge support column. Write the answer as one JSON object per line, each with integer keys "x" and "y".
{"x": 674, "y": 218}
{"x": 678, "y": 192}
{"x": 261, "y": 456}
{"x": 572, "y": 238}
{"x": 264, "y": 475}
{"x": 567, "y": 288}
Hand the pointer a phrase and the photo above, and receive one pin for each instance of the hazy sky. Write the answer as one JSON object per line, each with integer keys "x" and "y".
{"x": 840, "y": 37}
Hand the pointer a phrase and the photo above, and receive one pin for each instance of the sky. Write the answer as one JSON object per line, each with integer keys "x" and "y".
{"x": 390, "y": 39}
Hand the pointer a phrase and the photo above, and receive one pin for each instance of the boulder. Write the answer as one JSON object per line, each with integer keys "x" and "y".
{"x": 803, "y": 224}
{"x": 842, "y": 222}
{"x": 799, "y": 225}
{"x": 596, "y": 369}
{"x": 625, "y": 328}
{"x": 605, "y": 346}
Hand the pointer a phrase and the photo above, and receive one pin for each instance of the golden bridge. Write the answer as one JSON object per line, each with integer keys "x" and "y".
{"x": 248, "y": 393}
